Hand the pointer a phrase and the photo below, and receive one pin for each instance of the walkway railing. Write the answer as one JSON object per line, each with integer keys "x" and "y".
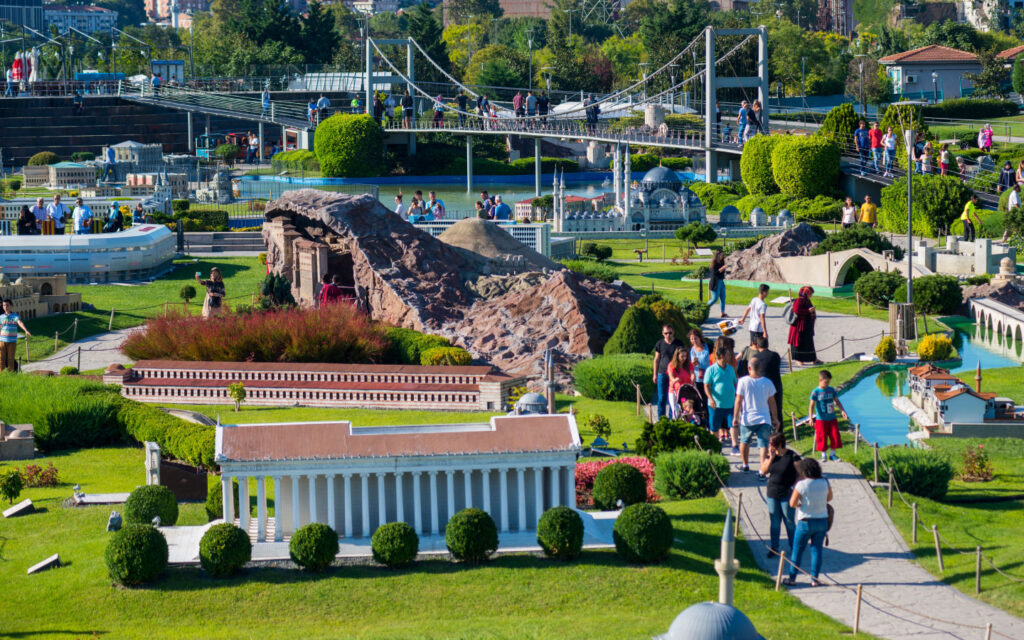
{"x": 277, "y": 112}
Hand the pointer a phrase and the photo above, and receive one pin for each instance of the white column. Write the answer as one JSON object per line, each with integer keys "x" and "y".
{"x": 312, "y": 499}
{"x": 521, "y": 486}
{"x": 486, "y": 473}
{"x": 556, "y": 486}
{"x": 229, "y": 499}
{"x": 348, "y": 505}
{"x": 261, "y": 509}
{"x": 503, "y": 488}
{"x": 278, "y": 503}
{"x": 467, "y": 478}
{"x": 364, "y": 481}
{"x": 399, "y": 497}
{"x": 243, "y": 503}
{"x": 296, "y": 505}
{"x": 417, "y": 503}
{"x": 332, "y": 519}
{"x": 433, "y": 502}
{"x": 538, "y": 491}
{"x": 570, "y": 486}
{"x": 450, "y": 487}
{"x": 382, "y": 505}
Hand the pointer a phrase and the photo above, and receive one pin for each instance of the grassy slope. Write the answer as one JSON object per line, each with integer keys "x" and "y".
{"x": 598, "y": 596}
{"x": 1007, "y": 382}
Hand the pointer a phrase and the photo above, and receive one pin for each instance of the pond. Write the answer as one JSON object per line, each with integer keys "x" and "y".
{"x": 869, "y": 402}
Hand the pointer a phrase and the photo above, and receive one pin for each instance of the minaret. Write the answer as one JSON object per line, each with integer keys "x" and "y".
{"x": 977, "y": 378}
{"x": 727, "y": 566}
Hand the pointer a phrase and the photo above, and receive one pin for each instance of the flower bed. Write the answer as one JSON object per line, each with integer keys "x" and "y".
{"x": 587, "y": 471}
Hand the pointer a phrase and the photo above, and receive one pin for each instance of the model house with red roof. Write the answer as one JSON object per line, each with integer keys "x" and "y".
{"x": 934, "y": 71}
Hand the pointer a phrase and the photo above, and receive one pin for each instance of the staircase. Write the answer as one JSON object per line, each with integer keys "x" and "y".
{"x": 224, "y": 242}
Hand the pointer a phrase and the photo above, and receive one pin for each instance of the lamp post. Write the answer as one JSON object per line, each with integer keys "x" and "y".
{"x": 803, "y": 85}
{"x": 547, "y": 77}
{"x": 935, "y": 87}
{"x": 529, "y": 44}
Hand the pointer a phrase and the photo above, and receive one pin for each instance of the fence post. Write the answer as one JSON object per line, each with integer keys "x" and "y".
{"x": 856, "y": 613}
{"x": 28, "y": 356}
{"x": 110, "y": 325}
{"x": 792, "y": 419}
{"x": 858, "y": 304}
{"x": 78, "y": 365}
{"x": 856, "y": 436}
{"x": 637, "y": 399}
{"x": 913, "y": 525}
{"x": 842, "y": 347}
{"x": 782, "y": 565}
{"x": 739, "y": 512}
{"x": 74, "y": 331}
{"x": 988, "y": 631}
{"x": 891, "y": 482}
{"x": 874, "y": 446}
{"x": 977, "y": 572}
{"x": 938, "y": 548}
{"x": 56, "y": 335}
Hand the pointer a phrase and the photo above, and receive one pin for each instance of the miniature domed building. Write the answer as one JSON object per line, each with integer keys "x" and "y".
{"x": 711, "y": 621}
{"x": 758, "y": 217}
{"x": 531, "y": 403}
{"x": 730, "y": 217}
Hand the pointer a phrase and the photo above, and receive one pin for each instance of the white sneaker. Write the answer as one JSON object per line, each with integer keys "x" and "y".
{"x": 823, "y": 458}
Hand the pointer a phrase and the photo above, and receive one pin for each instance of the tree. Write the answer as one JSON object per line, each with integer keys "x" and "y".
{"x": 696, "y": 233}
{"x": 462, "y": 10}
{"x": 237, "y": 392}
{"x": 1018, "y": 75}
{"x": 319, "y": 39}
{"x": 187, "y": 293}
{"x": 625, "y": 55}
{"x": 565, "y": 46}
{"x": 957, "y": 35}
{"x": 425, "y": 29}
{"x": 989, "y": 83}
{"x": 461, "y": 40}
{"x": 498, "y": 73}
{"x": 877, "y": 83}
{"x": 600, "y": 425}
{"x": 499, "y": 66}
{"x": 11, "y": 484}
{"x": 129, "y": 12}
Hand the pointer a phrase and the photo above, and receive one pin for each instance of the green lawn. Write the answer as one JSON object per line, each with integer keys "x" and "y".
{"x": 515, "y": 596}
{"x": 133, "y": 304}
{"x": 1007, "y": 382}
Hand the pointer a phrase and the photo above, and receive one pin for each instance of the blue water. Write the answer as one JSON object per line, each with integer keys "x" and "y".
{"x": 869, "y": 402}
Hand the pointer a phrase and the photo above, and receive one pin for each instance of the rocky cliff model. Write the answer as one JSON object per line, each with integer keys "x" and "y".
{"x": 758, "y": 262}
{"x": 488, "y": 293}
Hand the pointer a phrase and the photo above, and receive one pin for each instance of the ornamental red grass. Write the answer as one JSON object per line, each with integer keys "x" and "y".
{"x": 587, "y": 471}
{"x": 336, "y": 333}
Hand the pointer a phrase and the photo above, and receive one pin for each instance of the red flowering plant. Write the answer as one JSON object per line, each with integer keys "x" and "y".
{"x": 587, "y": 471}
{"x": 976, "y": 466}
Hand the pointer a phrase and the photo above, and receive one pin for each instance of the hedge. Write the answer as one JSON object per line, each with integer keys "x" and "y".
{"x": 186, "y": 441}
{"x": 407, "y": 346}
{"x": 349, "y": 145}
{"x": 805, "y": 167}
{"x": 447, "y": 356}
{"x": 203, "y": 219}
{"x": 936, "y": 294}
{"x": 612, "y": 377}
{"x": 756, "y": 165}
{"x": 938, "y": 201}
{"x": 818, "y": 209}
{"x": 685, "y": 475}
{"x": 638, "y": 331}
{"x": 859, "y": 236}
{"x": 592, "y": 269}
{"x": 918, "y": 472}
{"x": 296, "y": 159}
{"x": 971, "y": 108}
{"x": 547, "y": 165}
{"x": 716, "y": 195}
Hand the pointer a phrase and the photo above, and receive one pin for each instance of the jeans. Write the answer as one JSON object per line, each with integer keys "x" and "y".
{"x": 108, "y": 170}
{"x": 968, "y": 231}
{"x": 662, "y": 394}
{"x": 780, "y": 513}
{"x": 875, "y": 152}
{"x": 863, "y": 159}
{"x": 889, "y": 155}
{"x": 811, "y": 530}
{"x": 718, "y": 293}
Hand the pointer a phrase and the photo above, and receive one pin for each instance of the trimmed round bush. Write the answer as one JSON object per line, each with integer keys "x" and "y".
{"x": 937, "y": 294}
{"x": 313, "y": 547}
{"x": 689, "y": 474}
{"x": 643, "y": 534}
{"x": 681, "y": 315}
{"x": 878, "y": 287}
{"x": 560, "y": 533}
{"x": 471, "y": 536}
{"x": 395, "y": 544}
{"x": 805, "y": 167}
{"x": 224, "y": 550}
{"x": 637, "y": 332}
{"x": 919, "y": 472}
{"x": 938, "y": 202}
{"x": 616, "y": 482}
{"x": 349, "y": 145}
{"x": 934, "y": 347}
{"x": 136, "y": 554}
{"x": 840, "y": 123}
{"x": 145, "y": 503}
{"x": 452, "y": 356}
{"x": 69, "y": 371}
{"x": 43, "y": 158}
{"x": 756, "y": 165}
{"x": 611, "y": 377}
{"x": 886, "y": 349}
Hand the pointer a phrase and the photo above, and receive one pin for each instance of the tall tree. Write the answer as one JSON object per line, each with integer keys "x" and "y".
{"x": 990, "y": 82}
{"x": 565, "y": 46}
{"x": 319, "y": 39}
{"x": 425, "y": 29}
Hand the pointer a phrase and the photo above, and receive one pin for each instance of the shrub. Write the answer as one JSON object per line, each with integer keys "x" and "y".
{"x": 69, "y": 371}
{"x": 586, "y": 473}
{"x": 643, "y": 534}
{"x": 677, "y": 164}
{"x": 637, "y": 332}
{"x": 224, "y": 549}
{"x": 676, "y": 314}
{"x": 186, "y": 441}
{"x": 714, "y": 195}
{"x": 179, "y": 207}
{"x": 934, "y": 347}
{"x": 215, "y": 499}
{"x": 938, "y": 201}
{"x": 83, "y": 156}
{"x": 935, "y": 294}
{"x": 313, "y": 547}
{"x": 43, "y": 158}
{"x": 349, "y": 145}
{"x": 611, "y": 377}
{"x": 406, "y": 345}
{"x": 595, "y": 251}
{"x": 11, "y": 484}
{"x": 187, "y": 292}
{"x": 227, "y": 152}
{"x": 296, "y": 159}
{"x": 840, "y": 123}
{"x": 547, "y": 165}
{"x": 981, "y": 278}
{"x": 756, "y": 165}
{"x": 136, "y": 554}
{"x": 643, "y": 161}
{"x": 976, "y": 466}
{"x": 669, "y": 435}
{"x": 689, "y": 474}
{"x": 149, "y": 501}
{"x": 919, "y": 472}
{"x": 395, "y": 544}
{"x": 886, "y": 349}
{"x": 970, "y": 108}
{"x": 560, "y": 533}
{"x": 66, "y": 412}
{"x": 471, "y": 536}
{"x": 805, "y": 167}
{"x": 36, "y": 476}
{"x": 451, "y": 356}
{"x": 618, "y": 482}
{"x": 599, "y": 270}
{"x": 856, "y": 237}
{"x": 599, "y": 425}
{"x": 694, "y": 311}
{"x": 878, "y": 287}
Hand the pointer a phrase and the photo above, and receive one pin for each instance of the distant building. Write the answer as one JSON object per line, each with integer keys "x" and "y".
{"x": 932, "y": 69}
{"x": 161, "y": 9}
{"x": 26, "y": 12}
{"x": 373, "y": 7}
{"x": 89, "y": 19}
{"x": 40, "y": 296}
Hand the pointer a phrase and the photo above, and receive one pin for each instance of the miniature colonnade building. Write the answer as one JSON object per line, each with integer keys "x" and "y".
{"x": 356, "y": 479}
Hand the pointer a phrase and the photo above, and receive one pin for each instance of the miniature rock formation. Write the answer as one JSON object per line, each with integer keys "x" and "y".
{"x": 758, "y": 262}
{"x": 485, "y": 291}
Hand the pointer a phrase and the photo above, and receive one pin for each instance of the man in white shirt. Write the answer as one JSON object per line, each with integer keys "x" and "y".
{"x": 756, "y": 310}
{"x": 39, "y": 211}
{"x": 1014, "y": 200}
{"x": 82, "y": 217}
{"x": 754, "y": 413}
{"x": 58, "y": 212}
{"x": 399, "y": 207}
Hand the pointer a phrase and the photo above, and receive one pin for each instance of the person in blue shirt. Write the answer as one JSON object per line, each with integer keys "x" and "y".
{"x": 266, "y": 102}
{"x": 108, "y": 166}
{"x": 862, "y": 140}
{"x": 488, "y": 203}
{"x": 501, "y": 210}
{"x": 741, "y": 121}
{"x": 822, "y": 408}
{"x": 435, "y": 206}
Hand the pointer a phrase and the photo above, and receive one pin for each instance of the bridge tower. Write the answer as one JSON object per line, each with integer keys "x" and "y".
{"x": 371, "y": 79}
{"x": 712, "y": 83}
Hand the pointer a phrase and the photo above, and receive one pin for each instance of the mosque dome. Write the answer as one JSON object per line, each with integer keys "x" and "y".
{"x": 711, "y": 621}
{"x": 661, "y": 178}
{"x": 531, "y": 403}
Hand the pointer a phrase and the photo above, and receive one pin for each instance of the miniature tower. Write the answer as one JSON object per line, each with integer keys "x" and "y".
{"x": 727, "y": 566}
{"x": 977, "y": 378}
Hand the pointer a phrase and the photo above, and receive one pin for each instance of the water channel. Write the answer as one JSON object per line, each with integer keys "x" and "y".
{"x": 869, "y": 402}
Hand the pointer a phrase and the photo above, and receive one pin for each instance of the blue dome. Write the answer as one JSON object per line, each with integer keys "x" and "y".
{"x": 730, "y": 210}
{"x": 712, "y": 621}
{"x": 661, "y": 178}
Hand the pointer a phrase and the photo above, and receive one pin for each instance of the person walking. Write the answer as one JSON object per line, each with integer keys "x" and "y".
{"x": 407, "y": 109}
{"x": 531, "y": 104}
{"x": 323, "y": 105}
{"x": 700, "y": 360}
{"x": 780, "y": 467}
{"x": 755, "y": 414}
{"x": 889, "y": 151}
{"x": 82, "y": 217}
{"x": 741, "y": 121}
{"x": 753, "y": 120}
{"x": 517, "y": 104}
{"x": 716, "y": 281}
{"x": 1007, "y": 178}
{"x": 109, "y": 164}
{"x": 9, "y": 324}
{"x": 462, "y": 102}
{"x": 862, "y": 142}
{"x": 869, "y": 212}
{"x": 543, "y": 104}
{"x": 944, "y": 159}
{"x": 213, "y": 305}
{"x": 678, "y": 371}
{"x": 810, "y": 498}
{"x": 822, "y": 410}
{"x": 664, "y": 349}
{"x": 438, "y": 112}
{"x": 771, "y": 367}
{"x": 265, "y": 100}
{"x": 501, "y": 211}
{"x": 756, "y": 310}
{"x": 970, "y": 209}
{"x": 849, "y": 213}
{"x": 875, "y": 140}
{"x": 720, "y": 388}
{"x": 801, "y": 333}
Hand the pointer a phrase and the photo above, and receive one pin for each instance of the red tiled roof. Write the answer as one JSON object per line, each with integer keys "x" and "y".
{"x": 926, "y": 368}
{"x": 931, "y": 53}
{"x": 957, "y": 392}
{"x": 316, "y": 367}
{"x": 938, "y": 375}
{"x": 1011, "y": 53}
{"x": 339, "y": 440}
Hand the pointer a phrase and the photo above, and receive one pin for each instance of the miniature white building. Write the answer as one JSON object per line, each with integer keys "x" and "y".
{"x": 923, "y": 378}
{"x": 356, "y": 479}
{"x": 964, "y": 258}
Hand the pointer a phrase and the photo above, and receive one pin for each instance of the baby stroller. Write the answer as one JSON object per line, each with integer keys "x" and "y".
{"x": 700, "y": 407}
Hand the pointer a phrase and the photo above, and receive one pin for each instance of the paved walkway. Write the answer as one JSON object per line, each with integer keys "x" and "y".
{"x": 865, "y": 548}
{"x": 98, "y": 352}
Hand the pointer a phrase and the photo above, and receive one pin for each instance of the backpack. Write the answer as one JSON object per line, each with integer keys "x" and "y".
{"x": 788, "y": 314}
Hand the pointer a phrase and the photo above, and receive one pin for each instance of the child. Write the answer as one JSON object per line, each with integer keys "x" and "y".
{"x": 678, "y": 374}
{"x": 689, "y": 414}
{"x": 824, "y": 402}
{"x": 756, "y": 310}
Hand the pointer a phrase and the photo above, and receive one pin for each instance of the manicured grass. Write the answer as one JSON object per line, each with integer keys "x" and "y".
{"x": 966, "y": 522}
{"x": 132, "y": 305}
{"x": 1008, "y": 382}
{"x": 515, "y": 596}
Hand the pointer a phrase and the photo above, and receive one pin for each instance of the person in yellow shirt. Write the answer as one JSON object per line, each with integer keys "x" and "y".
{"x": 869, "y": 212}
{"x": 970, "y": 209}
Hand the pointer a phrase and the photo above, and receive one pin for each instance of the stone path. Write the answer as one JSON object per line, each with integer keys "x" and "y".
{"x": 98, "y": 352}
{"x": 865, "y": 548}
